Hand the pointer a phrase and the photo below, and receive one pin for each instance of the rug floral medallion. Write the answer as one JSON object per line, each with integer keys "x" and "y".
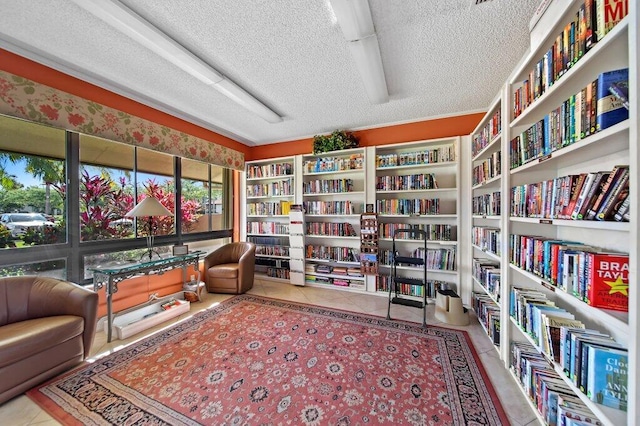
{"x": 258, "y": 361}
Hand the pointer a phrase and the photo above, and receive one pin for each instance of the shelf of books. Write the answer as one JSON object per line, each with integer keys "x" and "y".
{"x": 416, "y": 187}
{"x": 568, "y": 177}
{"x": 486, "y": 207}
{"x": 333, "y": 193}
{"x": 270, "y": 191}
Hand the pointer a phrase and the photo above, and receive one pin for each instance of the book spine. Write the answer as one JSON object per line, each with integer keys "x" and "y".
{"x": 586, "y": 187}
{"x": 595, "y": 188}
{"x": 622, "y": 182}
{"x": 605, "y": 187}
{"x": 623, "y": 209}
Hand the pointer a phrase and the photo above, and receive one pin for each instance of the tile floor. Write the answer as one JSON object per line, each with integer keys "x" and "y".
{"x": 21, "y": 411}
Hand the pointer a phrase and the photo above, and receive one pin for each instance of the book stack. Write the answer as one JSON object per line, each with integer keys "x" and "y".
{"x": 588, "y": 196}
{"x": 267, "y": 228}
{"x": 428, "y": 156}
{"x": 402, "y": 206}
{"x": 279, "y": 188}
{"x": 488, "y": 169}
{"x": 343, "y": 229}
{"x": 327, "y": 186}
{"x": 336, "y": 254}
{"x": 334, "y": 164}
{"x": 487, "y": 239}
{"x": 406, "y": 182}
{"x": 435, "y": 232}
{"x": 332, "y": 207}
{"x": 269, "y": 170}
{"x": 487, "y": 204}
{"x": 490, "y": 130}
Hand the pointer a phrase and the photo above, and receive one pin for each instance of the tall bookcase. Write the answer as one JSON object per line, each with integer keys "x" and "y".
{"x": 416, "y": 186}
{"x": 588, "y": 153}
{"x": 270, "y": 191}
{"x": 334, "y": 193}
{"x": 486, "y": 219}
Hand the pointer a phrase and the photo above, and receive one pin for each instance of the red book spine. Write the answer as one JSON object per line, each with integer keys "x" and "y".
{"x": 608, "y": 281}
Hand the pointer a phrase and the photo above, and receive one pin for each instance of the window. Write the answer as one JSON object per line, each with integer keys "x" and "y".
{"x": 32, "y": 189}
{"x": 154, "y": 177}
{"x": 106, "y": 189}
{"x": 202, "y": 199}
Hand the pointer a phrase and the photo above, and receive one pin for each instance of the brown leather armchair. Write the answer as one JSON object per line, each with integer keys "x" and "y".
{"x": 46, "y": 327}
{"x": 229, "y": 269}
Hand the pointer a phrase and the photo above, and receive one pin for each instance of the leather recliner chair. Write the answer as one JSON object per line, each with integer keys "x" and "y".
{"x": 46, "y": 327}
{"x": 230, "y": 268}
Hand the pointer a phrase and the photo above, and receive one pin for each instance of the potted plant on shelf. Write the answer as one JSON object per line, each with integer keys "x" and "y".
{"x": 336, "y": 141}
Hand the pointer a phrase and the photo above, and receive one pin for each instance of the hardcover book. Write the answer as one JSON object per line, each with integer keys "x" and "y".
{"x": 608, "y": 14}
{"x": 610, "y": 110}
{"x": 608, "y": 280}
{"x": 620, "y": 89}
{"x": 607, "y": 377}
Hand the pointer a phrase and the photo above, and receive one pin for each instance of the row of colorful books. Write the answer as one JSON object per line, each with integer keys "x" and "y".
{"x": 436, "y": 259}
{"x": 267, "y": 228}
{"x": 487, "y": 273}
{"x": 597, "y": 277}
{"x": 486, "y": 204}
{"x": 274, "y": 250}
{"x": 269, "y": 209}
{"x": 589, "y": 196}
{"x": 591, "y": 110}
{"x": 488, "y": 169}
{"x": 441, "y": 154}
{"x": 384, "y": 282}
{"x": 552, "y": 397}
{"x": 434, "y": 231}
{"x": 269, "y": 170}
{"x": 320, "y": 186}
{"x": 337, "y": 254}
{"x": 341, "y": 282}
{"x": 488, "y": 313}
{"x": 587, "y": 357}
{"x": 282, "y": 273}
{"x": 334, "y": 164}
{"x": 592, "y": 22}
{"x": 487, "y": 239}
{"x": 332, "y": 207}
{"x": 342, "y": 229}
{"x": 267, "y": 240}
{"x": 406, "y": 182}
{"x": 279, "y": 188}
{"x": 332, "y": 269}
{"x": 488, "y": 133}
{"x": 427, "y": 206}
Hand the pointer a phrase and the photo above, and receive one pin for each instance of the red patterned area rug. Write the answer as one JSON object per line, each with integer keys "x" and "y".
{"x": 259, "y": 361}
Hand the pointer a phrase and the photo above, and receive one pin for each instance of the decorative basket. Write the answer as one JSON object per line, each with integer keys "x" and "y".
{"x": 190, "y": 296}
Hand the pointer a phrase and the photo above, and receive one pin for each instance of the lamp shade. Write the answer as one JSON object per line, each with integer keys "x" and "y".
{"x": 149, "y": 207}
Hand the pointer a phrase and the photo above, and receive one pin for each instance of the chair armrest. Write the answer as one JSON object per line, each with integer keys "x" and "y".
{"x": 51, "y": 297}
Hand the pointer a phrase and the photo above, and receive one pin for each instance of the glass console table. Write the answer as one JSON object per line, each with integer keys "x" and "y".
{"x": 109, "y": 276}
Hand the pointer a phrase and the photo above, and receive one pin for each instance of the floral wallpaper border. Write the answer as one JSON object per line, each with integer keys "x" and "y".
{"x": 23, "y": 98}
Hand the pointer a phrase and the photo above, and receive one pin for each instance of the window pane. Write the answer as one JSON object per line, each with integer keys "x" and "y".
{"x": 155, "y": 179}
{"x": 218, "y": 208}
{"x": 106, "y": 189}
{"x": 126, "y": 257}
{"x": 32, "y": 189}
{"x": 51, "y": 268}
{"x": 195, "y": 196}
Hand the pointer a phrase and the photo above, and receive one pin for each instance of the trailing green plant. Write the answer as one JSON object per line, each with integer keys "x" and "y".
{"x": 336, "y": 141}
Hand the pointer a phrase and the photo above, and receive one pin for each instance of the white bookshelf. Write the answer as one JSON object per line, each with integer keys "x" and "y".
{"x": 599, "y": 151}
{"x": 269, "y": 188}
{"x": 405, "y": 172}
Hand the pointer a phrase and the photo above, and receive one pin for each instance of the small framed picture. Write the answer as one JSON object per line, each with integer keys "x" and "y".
{"x": 180, "y": 249}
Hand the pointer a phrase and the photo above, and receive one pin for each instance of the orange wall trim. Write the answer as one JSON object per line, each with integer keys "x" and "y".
{"x": 31, "y": 70}
{"x": 428, "y": 129}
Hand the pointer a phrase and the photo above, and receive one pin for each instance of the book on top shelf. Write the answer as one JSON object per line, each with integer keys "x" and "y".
{"x": 608, "y": 14}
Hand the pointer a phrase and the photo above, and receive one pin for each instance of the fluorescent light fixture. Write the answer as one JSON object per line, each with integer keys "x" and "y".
{"x": 366, "y": 54}
{"x": 133, "y": 25}
{"x": 354, "y": 17}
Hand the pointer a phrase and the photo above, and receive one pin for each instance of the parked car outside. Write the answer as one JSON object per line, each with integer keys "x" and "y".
{"x": 19, "y": 223}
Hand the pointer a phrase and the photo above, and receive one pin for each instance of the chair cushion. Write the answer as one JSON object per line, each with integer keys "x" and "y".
{"x": 225, "y": 270}
{"x": 30, "y": 337}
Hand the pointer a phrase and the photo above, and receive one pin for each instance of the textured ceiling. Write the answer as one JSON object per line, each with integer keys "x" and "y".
{"x": 441, "y": 57}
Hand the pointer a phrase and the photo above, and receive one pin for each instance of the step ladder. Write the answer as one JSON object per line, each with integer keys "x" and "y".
{"x": 395, "y": 282}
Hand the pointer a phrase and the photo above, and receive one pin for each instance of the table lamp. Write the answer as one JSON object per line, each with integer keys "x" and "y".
{"x": 149, "y": 208}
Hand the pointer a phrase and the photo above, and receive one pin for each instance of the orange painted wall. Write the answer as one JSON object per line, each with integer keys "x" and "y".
{"x": 428, "y": 129}
{"x": 23, "y": 67}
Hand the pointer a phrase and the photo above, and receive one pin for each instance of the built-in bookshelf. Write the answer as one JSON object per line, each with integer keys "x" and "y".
{"x": 553, "y": 243}
{"x": 486, "y": 208}
{"x": 269, "y": 192}
{"x": 416, "y": 187}
{"x": 333, "y": 194}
